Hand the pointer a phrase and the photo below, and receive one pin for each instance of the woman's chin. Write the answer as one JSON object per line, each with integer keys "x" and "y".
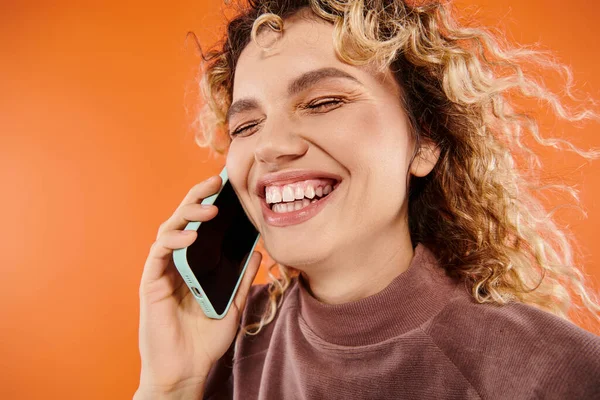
{"x": 301, "y": 249}
{"x": 300, "y": 260}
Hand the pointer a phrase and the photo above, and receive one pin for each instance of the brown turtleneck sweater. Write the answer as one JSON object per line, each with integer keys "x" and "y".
{"x": 422, "y": 337}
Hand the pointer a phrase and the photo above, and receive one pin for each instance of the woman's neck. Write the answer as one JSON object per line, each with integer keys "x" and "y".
{"x": 360, "y": 271}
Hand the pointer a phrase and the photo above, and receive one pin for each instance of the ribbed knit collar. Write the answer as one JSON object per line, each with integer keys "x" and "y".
{"x": 412, "y": 298}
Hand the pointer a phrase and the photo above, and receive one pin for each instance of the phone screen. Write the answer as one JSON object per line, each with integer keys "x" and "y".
{"x": 219, "y": 253}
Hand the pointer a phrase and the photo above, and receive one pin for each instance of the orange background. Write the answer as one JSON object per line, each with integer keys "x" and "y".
{"x": 96, "y": 151}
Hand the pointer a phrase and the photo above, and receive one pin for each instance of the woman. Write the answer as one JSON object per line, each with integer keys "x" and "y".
{"x": 426, "y": 269}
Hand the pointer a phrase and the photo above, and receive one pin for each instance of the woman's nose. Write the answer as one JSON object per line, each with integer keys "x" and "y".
{"x": 279, "y": 142}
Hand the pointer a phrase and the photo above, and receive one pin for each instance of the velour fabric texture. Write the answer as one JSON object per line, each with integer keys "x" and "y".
{"x": 422, "y": 337}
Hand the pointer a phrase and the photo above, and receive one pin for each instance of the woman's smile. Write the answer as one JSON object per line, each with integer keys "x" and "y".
{"x": 279, "y": 213}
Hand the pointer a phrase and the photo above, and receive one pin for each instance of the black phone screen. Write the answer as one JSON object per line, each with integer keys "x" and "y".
{"x": 221, "y": 249}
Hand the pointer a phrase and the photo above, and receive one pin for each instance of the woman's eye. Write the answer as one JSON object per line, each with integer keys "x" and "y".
{"x": 323, "y": 105}
{"x": 242, "y": 129}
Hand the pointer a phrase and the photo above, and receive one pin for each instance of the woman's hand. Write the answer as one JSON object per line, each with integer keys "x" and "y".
{"x": 178, "y": 343}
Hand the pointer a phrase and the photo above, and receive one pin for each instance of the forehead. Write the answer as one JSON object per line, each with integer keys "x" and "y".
{"x": 306, "y": 44}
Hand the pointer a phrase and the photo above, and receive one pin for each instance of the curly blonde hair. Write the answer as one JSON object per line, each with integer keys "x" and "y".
{"x": 477, "y": 210}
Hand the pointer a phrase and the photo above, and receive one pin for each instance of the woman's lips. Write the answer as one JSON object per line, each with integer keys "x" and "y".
{"x": 297, "y": 216}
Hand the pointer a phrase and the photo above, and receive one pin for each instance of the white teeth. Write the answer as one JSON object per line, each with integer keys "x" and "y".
{"x": 288, "y": 193}
{"x": 293, "y": 206}
{"x": 275, "y": 195}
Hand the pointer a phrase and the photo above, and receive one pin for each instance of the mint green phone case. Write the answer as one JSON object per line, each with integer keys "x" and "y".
{"x": 180, "y": 260}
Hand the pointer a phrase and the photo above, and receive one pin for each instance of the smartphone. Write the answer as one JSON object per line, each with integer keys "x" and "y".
{"x": 213, "y": 266}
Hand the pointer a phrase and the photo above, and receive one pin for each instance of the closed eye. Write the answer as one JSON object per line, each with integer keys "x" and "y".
{"x": 329, "y": 103}
{"x": 243, "y": 129}
{"x": 321, "y": 105}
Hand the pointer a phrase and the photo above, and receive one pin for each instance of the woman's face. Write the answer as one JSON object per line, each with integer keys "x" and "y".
{"x": 358, "y": 135}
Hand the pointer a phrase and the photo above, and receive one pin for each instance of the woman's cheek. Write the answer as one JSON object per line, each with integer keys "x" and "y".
{"x": 238, "y": 169}
{"x": 354, "y": 131}
{"x": 235, "y": 165}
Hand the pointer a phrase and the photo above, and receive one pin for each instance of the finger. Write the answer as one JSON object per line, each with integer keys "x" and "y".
{"x": 202, "y": 190}
{"x": 161, "y": 252}
{"x": 186, "y": 214}
{"x": 195, "y": 196}
{"x": 249, "y": 275}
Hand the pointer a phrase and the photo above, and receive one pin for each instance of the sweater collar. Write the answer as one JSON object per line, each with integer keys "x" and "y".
{"x": 412, "y": 298}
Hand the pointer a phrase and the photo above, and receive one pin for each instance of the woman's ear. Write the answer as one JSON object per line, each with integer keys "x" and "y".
{"x": 426, "y": 158}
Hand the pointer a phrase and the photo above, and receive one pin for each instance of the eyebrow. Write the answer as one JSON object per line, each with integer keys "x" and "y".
{"x": 299, "y": 84}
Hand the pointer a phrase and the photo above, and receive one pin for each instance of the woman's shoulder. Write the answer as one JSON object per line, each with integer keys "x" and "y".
{"x": 521, "y": 321}
{"x": 517, "y": 343}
